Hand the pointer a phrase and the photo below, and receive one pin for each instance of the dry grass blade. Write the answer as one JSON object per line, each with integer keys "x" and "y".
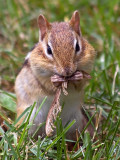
{"x": 77, "y": 137}
{"x": 64, "y": 87}
{"x": 98, "y": 118}
{"x": 52, "y": 114}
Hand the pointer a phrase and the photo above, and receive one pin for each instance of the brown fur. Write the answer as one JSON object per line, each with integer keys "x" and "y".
{"x": 33, "y": 82}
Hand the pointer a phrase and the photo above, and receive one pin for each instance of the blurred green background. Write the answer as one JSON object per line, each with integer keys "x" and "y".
{"x": 100, "y": 24}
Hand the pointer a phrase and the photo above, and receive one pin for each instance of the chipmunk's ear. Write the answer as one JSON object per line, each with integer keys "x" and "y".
{"x": 75, "y": 22}
{"x": 44, "y": 26}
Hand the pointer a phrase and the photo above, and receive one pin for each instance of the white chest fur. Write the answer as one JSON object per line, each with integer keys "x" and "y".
{"x": 71, "y": 110}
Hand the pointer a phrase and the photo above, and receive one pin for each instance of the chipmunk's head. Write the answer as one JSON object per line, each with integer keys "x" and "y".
{"x": 61, "y": 48}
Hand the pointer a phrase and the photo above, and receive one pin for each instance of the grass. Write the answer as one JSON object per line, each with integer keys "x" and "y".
{"x": 100, "y": 21}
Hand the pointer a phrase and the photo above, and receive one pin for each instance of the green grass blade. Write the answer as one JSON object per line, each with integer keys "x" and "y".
{"x": 57, "y": 138}
{"x": 24, "y": 130}
{"x": 11, "y": 147}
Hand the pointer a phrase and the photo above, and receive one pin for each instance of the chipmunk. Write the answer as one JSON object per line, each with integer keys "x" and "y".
{"x": 61, "y": 50}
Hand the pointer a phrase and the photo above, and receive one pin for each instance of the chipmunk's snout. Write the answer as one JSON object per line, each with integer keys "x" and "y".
{"x": 67, "y": 72}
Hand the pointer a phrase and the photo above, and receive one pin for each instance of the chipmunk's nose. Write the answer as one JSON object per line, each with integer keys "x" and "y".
{"x": 67, "y": 72}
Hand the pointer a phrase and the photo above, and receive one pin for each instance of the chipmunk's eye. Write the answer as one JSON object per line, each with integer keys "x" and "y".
{"x": 77, "y": 48}
{"x": 49, "y": 51}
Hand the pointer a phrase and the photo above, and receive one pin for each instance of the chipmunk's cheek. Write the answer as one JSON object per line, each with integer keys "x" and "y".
{"x": 44, "y": 72}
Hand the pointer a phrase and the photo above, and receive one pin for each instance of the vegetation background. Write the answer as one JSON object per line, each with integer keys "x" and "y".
{"x": 100, "y": 24}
